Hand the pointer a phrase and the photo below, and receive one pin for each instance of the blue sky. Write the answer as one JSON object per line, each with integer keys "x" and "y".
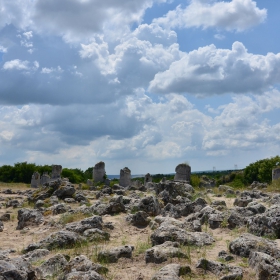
{"x": 145, "y": 84}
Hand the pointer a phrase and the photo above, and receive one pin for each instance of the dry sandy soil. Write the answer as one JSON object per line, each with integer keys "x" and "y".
{"x": 123, "y": 234}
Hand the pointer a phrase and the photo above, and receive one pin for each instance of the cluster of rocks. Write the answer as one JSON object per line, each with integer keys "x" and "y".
{"x": 174, "y": 215}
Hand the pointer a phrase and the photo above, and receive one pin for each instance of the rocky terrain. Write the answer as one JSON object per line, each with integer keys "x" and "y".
{"x": 166, "y": 230}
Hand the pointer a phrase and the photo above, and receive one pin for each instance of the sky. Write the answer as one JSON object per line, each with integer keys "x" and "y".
{"x": 145, "y": 84}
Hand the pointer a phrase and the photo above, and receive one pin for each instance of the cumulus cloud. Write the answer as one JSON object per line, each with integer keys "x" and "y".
{"x": 209, "y": 71}
{"x": 16, "y": 64}
{"x": 235, "y": 15}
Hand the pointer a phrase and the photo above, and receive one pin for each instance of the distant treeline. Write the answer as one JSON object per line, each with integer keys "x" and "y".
{"x": 22, "y": 172}
{"x": 260, "y": 171}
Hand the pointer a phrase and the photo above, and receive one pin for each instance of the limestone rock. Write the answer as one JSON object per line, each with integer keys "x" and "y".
{"x": 35, "y": 180}
{"x": 1, "y": 226}
{"x": 246, "y": 243}
{"x": 267, "y": 223}
{"x": 265, "y": 266}
{"x": 99, "y": 173}
{"x": 224, "y": 271}
{"x": 29, "y": 217}
{"x": 88, "y": 223}
{"x": 150, "y": 205}
{"x": 53, "y": 267}
{"x": 81, "y": 275}
{"x": 125, "y": 177}
{"x": 183, "y": 172}
{"x": 171, "y": 272}
{"x": 225, "y": 256}
{"x": 140, "y": 219}
{"x": 56, "y": 172}
{"x": 57, "y": 240}
{"x": 65, "y": 191}
{"x": 161, "y": 253}
{"x": 112, "y": 255}
{"x": 35, "y": 255}
{"x": 171, "y": 231}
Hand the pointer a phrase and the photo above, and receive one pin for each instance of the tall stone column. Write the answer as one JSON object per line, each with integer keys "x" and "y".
{"x": 275, "y": 173}
{"x": 125, "y": 177}
{"x": 183, "y": 172}
{"x": 99, "y": 173}
{"x": 35, "y": 180}
{"x": 56, "y": 172}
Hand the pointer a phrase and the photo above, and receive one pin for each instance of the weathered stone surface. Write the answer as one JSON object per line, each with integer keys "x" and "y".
{"x": 267, "y": 223}
{"x": 150, "y": 205}
{"x": 139, "y": 219}
{"x": 82, "y": 263}
{"x": 59, "y": 208}
{"x": 225, "y": 256}
{"x": 265, "y": 266}
{"x": 1, "y": 226}
{"x": 161, "y": 253}
{"x": 65, "y": 191}
{"x": 171, "y": 272}
{"x": 258, "y": 185}
{"x": 56, "y": 172}
{"x": 57, "y": 240}
{"x": 35, "y": 255}
{"x": 13, "y": 203}
{"x": 242, "y": 201}
{"x": 5, "y": 217}
{"x": 275, "y": 173}
{"x": 35, "y": 180}
{"x": 172, "y": 230}
{"x": 224, "y": 271}
{"x": 183, "y": 172}
{"x": 88, "y": 223}
{"x": 99, "y": 173}
{"x": 53, "y": 267}
{"x": 148, "y": 179}
{"x": 17, "y": 268}
{"x": 81, "y": 275}
{"x": 29, "y": 217}
{"x": 95, "y": 234}
{"x": 112, "y": 255}
{"x": 45, "y": 178}
{"x": 246, "y": 243}
{"x": 125, "y": 177}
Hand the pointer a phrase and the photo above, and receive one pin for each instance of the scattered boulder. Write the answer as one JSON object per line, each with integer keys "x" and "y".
{"x": 35, "y": 255}
{"x": 83, "y": 275}
{"x": 161, "y": 253}
{"x": 173, "y": 230}
{"x": 112, "y": 255}
{"x": 1, "y": 226}
{"x": 53, "y": 267}
{"x": 88, "y": 223}
{"x": 242, "y": 201}
{"x": 139, "y": 219}
{"x": 150, "y": 205}
{"x": 246, "y": 243}
{"x": 57, "y": 240}
{"x": 265, "y": 266}
{"x": 266, "y": 224}
{"x": 29, "y": 217}
{"x": 65, "y": 191}
{"x": 171, "y": 272}
{"x": 224, "y": 271}
{"x": 225, "y": 256}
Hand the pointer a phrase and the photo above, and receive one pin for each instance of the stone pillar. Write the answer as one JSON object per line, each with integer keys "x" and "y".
{"x": 275, "y": 173}
{"x": 125, "y": 177}
{"x": 56, "y": 172}
{"x": 35, "y": 180}
{"x": 183, "y": 172}
{"x": 148, "y": 178}
{"x": 98, "y": 173}
{"x": 45, "y": 178}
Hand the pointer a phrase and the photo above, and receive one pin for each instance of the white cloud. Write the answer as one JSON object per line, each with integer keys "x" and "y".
{"x": 3, "y": 49}
{"x": 16, "y": 64}
{"x": 209, "y": 71}
{"x": 235, "y": 15}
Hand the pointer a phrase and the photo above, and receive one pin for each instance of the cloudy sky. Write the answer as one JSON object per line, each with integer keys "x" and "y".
{"x": 146, "y": 84}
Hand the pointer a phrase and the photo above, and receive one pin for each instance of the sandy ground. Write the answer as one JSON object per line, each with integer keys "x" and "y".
{"x": 124, "y": 234}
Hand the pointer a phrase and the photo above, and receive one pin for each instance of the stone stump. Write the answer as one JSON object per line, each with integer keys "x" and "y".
{"x": 45, "y": 178}
{"x": 98, "y": 173}
{"x": 56, "y": 172}
{"x": 148, "y": 178}
{"x": 275, "y": 173}
{"x": 183, "y": 172}
{"x": 35, "y": 180}
{"x": 125, "y": 177}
